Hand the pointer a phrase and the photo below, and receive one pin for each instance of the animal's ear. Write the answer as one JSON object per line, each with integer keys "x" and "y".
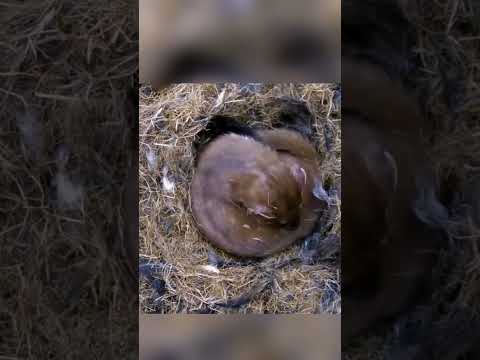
{"x": 299, "y": 174}
{"x": 427, "y": 207}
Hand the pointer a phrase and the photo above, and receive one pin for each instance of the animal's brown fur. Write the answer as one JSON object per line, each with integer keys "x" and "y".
{"x": 252, "y": 198}
{"x": 389, "y": 208}
{"x": 368, "y": 89}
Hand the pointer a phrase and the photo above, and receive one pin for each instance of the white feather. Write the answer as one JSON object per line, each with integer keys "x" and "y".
{"x": 220, "y": 99}
{"x": 210, "y": 268}
{"x": 69, "y": 195}
{"x": 151, "y": 160}
{"x": 167, "y": 184}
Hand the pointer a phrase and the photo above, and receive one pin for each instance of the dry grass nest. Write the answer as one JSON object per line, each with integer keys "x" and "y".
{"x": 64, "y": 74}
{"x": 447, "y": 75}
{"x": 180, "y": 270}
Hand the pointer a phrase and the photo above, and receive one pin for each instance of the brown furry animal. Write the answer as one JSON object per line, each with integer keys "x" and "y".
{"x": 255, "y": 198}
{"x": 391, "y": 217}
{"x": 369, "y": 90}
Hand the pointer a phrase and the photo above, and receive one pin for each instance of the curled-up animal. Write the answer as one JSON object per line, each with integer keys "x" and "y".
{"x": 255, "y": 197}
{"x": 392, "y": 224}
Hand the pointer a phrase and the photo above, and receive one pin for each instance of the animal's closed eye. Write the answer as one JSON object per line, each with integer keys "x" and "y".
{"x": 285, "y": 151}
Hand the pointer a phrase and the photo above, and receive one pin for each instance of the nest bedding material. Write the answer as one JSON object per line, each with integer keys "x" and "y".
{"x": 181, "y": 271}
{"x": 446, "y": 76}
{"x": 64, "y": 289}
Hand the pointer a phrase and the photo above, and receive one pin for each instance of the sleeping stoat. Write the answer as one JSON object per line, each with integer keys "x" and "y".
{"x": 255, "y": 198}
{"x": 391, "y": 217}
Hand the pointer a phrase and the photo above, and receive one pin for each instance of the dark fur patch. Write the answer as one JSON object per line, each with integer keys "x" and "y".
{"x": 219, "y": 125}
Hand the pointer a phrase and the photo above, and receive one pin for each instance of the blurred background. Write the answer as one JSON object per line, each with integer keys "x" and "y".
{"x": 233, "y": 40}
{"x": 432, "y": 49}
{"x": 276, "y": 337}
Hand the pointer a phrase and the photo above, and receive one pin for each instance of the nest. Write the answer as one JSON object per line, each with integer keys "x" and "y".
{"x": 445, "y": 75}
{"x": 180, "y": 271}
{"x": 65, "y": 68}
